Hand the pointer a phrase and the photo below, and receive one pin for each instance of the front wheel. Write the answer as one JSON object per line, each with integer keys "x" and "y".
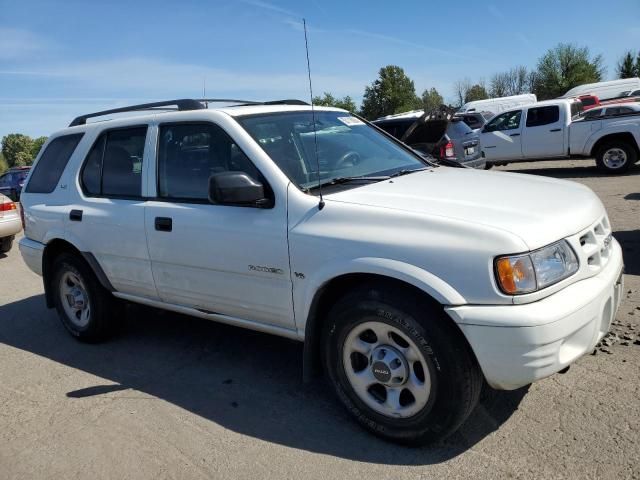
{"x": 401, "y": 369}
{"x": 616, "y": 157}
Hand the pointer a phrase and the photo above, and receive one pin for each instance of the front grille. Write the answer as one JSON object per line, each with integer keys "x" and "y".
{"x": 595, "y": 245}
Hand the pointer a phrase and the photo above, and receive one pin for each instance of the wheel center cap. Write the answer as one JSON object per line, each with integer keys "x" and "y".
{"x": 381, "y": 371}
{"x": 389, "y": 366}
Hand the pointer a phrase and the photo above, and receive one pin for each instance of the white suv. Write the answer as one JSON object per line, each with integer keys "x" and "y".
{"x": 409, "y": 283}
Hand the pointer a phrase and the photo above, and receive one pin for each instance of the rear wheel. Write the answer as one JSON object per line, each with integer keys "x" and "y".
{"x": 85, "y": 308}
{"x": 616, "y": 157}
{"x": 6, "y": 243}
{"x": 401, "y": 369}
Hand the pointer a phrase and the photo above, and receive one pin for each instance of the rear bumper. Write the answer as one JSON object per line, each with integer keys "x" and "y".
{"x": 32, "y": 252}
{"x": 475, "y": 163}
{"x": 551, "y": 334}
{"x": 10, "y": 226}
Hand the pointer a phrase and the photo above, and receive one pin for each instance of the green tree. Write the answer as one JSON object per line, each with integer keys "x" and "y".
{"x": 564, "y": 67}
{"x": 476, "y": 92}
{"x": 36, "y": 146}
{"x": 3, "y": 164}
{"x": 328, "y": 100}
{"x": 392, "y": 92}
{"x": 627, "y": 66}
{"x": 431, "y": 100}
{"x": 17, "y": 149}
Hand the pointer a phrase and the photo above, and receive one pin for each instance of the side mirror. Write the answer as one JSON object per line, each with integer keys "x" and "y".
{"x": 237, "y": 188}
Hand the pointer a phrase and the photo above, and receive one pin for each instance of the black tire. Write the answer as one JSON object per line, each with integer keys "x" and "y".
{"x": 488, "y": 166}
{"x": 456, "y": 379}
{"x": 105, "y": 314}
{"x": 6, "y": 243}
{"x": 630, "y": 152}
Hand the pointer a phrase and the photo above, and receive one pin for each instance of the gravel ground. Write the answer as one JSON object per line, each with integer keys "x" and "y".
{"x": 176, "y": 397}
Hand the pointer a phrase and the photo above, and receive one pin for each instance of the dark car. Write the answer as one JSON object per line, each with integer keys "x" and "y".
{"x": 11, "y": 182}
{"x": 441, "y": 136}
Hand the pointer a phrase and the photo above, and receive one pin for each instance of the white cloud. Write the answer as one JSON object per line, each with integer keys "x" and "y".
{"x": 155, "y": 78}
{"x": 16, "y": 44}
{"x": 271, "y": 7}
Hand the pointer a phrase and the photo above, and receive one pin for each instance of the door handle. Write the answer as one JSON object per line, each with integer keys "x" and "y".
{"x": 514, "y": 135}
{"x": 164, "y": 224}
{"x": 555, "y": 129}
{"x": 75, "y": 215}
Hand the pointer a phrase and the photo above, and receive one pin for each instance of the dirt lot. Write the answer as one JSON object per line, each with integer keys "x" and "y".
{"x": 175, "y": 397}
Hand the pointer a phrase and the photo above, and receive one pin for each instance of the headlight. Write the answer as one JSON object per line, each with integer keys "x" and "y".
{"x": 527, "y": 273}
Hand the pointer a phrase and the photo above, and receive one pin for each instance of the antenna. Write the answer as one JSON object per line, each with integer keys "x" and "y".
{"x": 313, "y": 114}
{"x": 204, "y": 91}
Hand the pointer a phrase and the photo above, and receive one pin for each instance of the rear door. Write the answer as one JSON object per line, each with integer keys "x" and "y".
{"x": 500, "y": 138}
{"x": 106, "y": 217}
{"x": 544, "y": 133}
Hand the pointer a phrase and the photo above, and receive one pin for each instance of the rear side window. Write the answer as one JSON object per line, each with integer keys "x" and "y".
{"x": 588, "y": 101}
{"x": 543, "y": 116}
{"x": 113, "y": 167}
{"x": 593, "y": 113}
{"x": 52, "y": 163}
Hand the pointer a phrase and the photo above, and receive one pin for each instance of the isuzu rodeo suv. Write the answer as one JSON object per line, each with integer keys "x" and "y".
{"x": 410, "y": 284}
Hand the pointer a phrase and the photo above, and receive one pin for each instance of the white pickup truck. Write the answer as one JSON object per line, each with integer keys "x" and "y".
{"x": 555, "y": 129}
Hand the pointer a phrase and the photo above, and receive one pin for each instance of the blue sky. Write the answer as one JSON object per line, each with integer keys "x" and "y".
{"x": 60, "y": 59}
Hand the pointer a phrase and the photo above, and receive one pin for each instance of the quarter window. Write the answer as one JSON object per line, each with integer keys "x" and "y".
{"x": 543, "y": 115}
{"x": 52, "y": 163}
{"x": 113, "y": 167}
{"x": 189, "y": 153}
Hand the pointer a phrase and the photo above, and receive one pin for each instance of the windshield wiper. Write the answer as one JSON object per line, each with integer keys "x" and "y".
{"x": 342, "y": 180}
{"x": 406, "y": 172}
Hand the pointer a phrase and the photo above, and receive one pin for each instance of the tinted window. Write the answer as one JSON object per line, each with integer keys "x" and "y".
{"x": 543, "y": 115}
{"x": 592, "y": 114}
{"x": 188, "y": 154}
{"x": 52, "y": 163}
{"x": 114, "y": 164}
{"x": 472, "y": 121}
{"x": 626, "y": 110}
{"x": 635, "y": 93}
{"x": 587, "y": 101}
{"x": 458, "y": 129}
{"x": 505, "y": 121}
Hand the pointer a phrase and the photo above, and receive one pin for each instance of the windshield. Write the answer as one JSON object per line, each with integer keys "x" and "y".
{"x": 347, "y": 147}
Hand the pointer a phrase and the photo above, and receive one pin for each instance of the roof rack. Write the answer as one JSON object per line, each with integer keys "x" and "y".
{"x": 180, "y": 105}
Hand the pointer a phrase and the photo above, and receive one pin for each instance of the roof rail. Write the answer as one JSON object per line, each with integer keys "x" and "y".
{"x": 180, "y": 105}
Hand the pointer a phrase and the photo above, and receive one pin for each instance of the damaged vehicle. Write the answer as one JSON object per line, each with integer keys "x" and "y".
{"x": 442, "y": 135}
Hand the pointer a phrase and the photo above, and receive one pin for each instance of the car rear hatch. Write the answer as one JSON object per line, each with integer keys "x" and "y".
{"x": 427, "y": 133}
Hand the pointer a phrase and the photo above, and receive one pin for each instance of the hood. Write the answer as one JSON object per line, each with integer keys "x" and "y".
{"x": 539, "y": 210}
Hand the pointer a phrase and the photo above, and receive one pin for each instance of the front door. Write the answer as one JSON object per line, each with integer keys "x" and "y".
{"x": 500, "y": 139}
{"x": 223, "y": 259}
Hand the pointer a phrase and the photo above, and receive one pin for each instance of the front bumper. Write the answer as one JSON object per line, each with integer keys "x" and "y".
{"x": 550, "y": 334}
{"x": 32, "y": 252}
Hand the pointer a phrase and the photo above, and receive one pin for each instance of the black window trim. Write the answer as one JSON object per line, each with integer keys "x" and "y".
{"x": 86, "y": 158}
{"x": 33, "y": 170}
{"x": 201, "y": 201}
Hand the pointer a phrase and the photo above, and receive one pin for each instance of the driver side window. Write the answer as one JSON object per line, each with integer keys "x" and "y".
{"x": 505, "y": 121}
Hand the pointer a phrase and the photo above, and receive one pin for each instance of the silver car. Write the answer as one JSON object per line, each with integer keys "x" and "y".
{"x": 442, "y": 137}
